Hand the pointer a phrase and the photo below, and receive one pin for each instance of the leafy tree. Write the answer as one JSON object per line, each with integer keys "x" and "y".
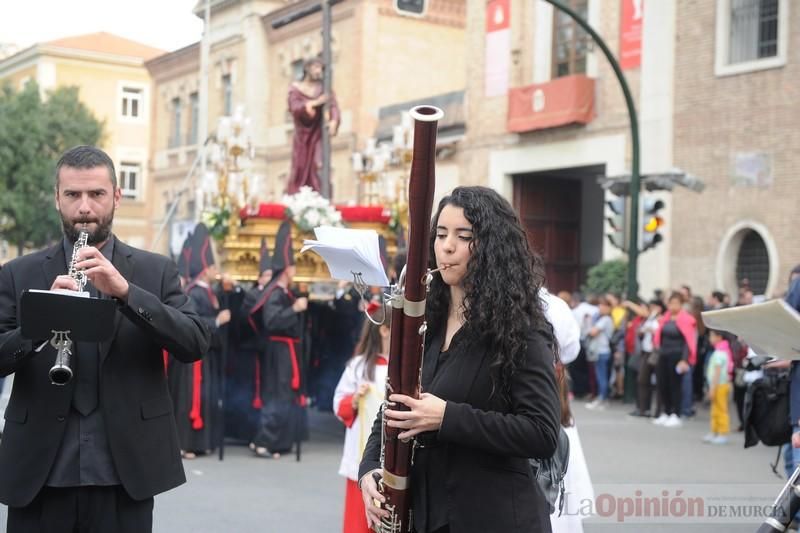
{"x": 608, "y": 276}
{"x": 34, "y": 132}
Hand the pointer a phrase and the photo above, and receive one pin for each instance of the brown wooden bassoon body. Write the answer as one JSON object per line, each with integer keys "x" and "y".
{"x": 408, "y": 318}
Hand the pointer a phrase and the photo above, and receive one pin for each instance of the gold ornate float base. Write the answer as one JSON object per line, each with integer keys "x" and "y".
{"x": 240, "y": 251}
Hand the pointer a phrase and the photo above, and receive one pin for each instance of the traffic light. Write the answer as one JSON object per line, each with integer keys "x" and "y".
{"x": 652, "y": 222}
{"x": 414, "y": 8}
{"x": 616, "y": 222}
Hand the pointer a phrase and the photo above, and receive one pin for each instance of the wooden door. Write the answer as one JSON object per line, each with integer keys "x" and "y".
{"x": 550, "y": 209}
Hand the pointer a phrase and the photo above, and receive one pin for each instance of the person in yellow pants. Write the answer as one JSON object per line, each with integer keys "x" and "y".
{"x": 718, "y": 369}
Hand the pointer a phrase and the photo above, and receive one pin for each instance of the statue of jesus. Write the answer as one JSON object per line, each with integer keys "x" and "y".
{"x": 306, "y": 101}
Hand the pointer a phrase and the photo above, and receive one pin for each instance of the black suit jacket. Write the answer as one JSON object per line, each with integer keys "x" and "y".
{"x": 488, "y": 439}
{"x": 134, "y": 399}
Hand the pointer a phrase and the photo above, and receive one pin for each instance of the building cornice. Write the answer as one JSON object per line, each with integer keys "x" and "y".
{"x": 175, "y": 63}
{"x": 313, "y": 22}
{"x": 216, "y": 5}
{"x": 29, "y": 56}
{"x": 20, "y": 60}
{"x": 440, "y": 12}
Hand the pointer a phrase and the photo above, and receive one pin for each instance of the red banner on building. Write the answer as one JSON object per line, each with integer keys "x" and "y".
{"x": 630, "y": 42}
{"x": 566, "y": 100}
{"x": 498, "y": 47}
{"x": 498, "y": 15}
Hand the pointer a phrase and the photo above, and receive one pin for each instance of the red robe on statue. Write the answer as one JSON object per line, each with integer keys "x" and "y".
{"x": 307, "y": 142}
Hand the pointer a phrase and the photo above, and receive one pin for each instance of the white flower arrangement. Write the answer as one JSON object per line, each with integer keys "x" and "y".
{"x": 308, "y": 210}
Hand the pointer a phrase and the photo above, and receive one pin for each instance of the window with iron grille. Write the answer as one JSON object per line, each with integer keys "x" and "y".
{"x": 227, "y": 95}
{"x": 175, "y": 139}
{"x": 129, "y": 175}
{"x": 194, "y": 117}
{"x": 752, "y": 262}
{"x": 570, "y": 41}
{"x": 753, "y": 30}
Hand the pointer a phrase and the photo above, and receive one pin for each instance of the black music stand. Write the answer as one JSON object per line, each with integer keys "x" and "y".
{"x": 84, "y": 319}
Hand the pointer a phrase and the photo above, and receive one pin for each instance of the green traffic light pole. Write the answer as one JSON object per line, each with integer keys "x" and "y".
{"x": 633, "y": 237}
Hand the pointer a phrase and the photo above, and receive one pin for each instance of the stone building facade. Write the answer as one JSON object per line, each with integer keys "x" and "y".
{"x": 114, "y": 84}
{"x": 735, "y": 126}
{"x": 714, "y": 89}
{"x": 381, "y": 59}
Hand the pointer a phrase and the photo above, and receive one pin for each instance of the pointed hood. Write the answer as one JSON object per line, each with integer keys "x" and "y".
{"x": 185, "y": 256}
{"x": 382, "y": 251}
{"x": 264, "y": 261}
{"x": 283, "y": 255}
{"x": 202, "y": 253}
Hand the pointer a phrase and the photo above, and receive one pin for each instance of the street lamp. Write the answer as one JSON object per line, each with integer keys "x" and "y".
{"x": 382, "y": 167}
{"x": 228, "y": 183}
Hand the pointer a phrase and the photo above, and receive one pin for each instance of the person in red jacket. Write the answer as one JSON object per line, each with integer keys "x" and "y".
{"x": 676, "y": 340}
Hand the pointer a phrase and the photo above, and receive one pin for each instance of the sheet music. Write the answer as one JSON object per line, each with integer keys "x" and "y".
{"x": 348, "y": 252}
{"x": 66, "y": 292}
{"x": 770, "y": 328}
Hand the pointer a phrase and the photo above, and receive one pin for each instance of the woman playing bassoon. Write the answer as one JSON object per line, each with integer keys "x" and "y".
{"x": 489, "y": 398}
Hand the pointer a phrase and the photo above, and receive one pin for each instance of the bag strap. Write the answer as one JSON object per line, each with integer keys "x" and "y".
{"x": 777, "y": 460}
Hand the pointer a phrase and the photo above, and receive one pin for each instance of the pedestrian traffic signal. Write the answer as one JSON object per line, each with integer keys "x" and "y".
{"x": 411, "y": 7}
{"x": 616, "y": 222}
{"x": 652, "y": 223}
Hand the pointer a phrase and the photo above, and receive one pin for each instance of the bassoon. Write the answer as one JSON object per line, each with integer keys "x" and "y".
{"x": 407, "y": 339}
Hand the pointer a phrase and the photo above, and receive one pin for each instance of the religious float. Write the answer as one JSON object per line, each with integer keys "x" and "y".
{"x": 241, "y": 246}
{"x": 230, "y": 199}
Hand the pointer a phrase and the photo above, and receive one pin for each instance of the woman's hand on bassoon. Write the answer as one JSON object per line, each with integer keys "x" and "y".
{"x": 370, "y": 493}
{"x": 425, "y": 414}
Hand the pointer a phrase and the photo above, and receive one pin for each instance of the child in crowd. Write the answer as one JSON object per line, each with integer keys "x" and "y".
{"x": 718, "y": 375}
{"x": 356, "y": 403}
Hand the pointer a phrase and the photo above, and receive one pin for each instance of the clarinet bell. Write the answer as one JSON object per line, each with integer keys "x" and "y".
{"x": 60, "y": 374}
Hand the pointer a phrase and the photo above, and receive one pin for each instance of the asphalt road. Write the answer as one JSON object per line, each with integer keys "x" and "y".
{"x": 246, "y": 494}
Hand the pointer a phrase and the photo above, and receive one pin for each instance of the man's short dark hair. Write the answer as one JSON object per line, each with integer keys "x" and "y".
{"x": 85, "y": 157}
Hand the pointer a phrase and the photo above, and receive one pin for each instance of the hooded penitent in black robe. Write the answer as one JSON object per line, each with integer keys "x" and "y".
{"x": 283, "y": 418}
{"x": 196, "y": 388}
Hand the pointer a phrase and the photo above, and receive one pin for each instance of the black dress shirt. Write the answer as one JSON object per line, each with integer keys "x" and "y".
{"x": 84, "y": 457}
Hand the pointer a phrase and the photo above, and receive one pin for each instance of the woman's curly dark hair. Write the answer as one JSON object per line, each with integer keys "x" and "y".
{"x": 501, "y": 285}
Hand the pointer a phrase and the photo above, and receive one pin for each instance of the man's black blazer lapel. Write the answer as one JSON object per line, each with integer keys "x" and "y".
{"x": 54, "y": 265}
{"x": 124, "y": 263}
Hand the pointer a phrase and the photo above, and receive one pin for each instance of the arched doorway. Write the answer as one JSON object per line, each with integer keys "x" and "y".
{"x": 752, "y": 263}
{"x": 747, "y": 251}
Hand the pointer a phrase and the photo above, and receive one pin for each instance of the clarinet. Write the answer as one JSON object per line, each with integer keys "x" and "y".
{"x": 785, "y": 507}
{"x": 407, "y": 338}
{"x": 78, "y": 275}
{"x": 61, "y": 372}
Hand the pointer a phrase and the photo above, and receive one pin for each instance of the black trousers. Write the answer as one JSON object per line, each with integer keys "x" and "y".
{"x": 669, "y": 383}
{"x": 82, "y": 510}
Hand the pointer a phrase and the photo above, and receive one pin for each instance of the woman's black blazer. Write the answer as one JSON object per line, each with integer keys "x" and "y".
{"x": 489, "y": 437}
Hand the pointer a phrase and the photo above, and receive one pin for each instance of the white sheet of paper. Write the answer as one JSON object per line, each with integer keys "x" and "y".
{"x": 349, "y": 251}
{"x": 769, "y": 328}
{"x": 66, "y": 292}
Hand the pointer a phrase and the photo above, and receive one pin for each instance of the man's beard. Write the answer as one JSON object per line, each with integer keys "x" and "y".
{"x": 101, "y": 233}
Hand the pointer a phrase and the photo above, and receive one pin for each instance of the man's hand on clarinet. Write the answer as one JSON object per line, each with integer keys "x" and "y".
{"x": 426, "y": 414}
{"x": 370, "y": 493}
{"x": 64, "y": 282}
{"x": 101, "y": 273}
